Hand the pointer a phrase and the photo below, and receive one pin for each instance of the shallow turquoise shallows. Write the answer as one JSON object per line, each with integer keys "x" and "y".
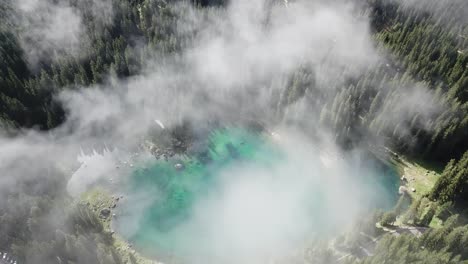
{"x": 163, "y": 193}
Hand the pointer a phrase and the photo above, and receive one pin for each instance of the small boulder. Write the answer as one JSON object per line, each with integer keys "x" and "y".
{"x": 402, "y": 190}
{"x": 105, "y": 212}
{"x": 179, "y": 166}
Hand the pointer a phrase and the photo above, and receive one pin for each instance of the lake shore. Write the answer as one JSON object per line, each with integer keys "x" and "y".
{"x": 416, "y": 178}
{"x": 99, "y": 200}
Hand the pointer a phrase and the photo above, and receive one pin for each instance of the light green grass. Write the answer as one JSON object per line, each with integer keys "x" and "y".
{"x": 421, "y": 177}
{"x": 98, "y": 199}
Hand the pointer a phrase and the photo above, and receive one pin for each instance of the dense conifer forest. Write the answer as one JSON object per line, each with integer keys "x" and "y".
{"x": 421, "y": 48}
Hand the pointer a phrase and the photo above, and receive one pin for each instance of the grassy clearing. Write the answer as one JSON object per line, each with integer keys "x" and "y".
{"x": 99, "y": 199}
{"x": 436, "y": 223}
{"x": 419, "y": 176}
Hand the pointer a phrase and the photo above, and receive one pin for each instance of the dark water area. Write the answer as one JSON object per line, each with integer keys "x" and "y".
{"x": 384, "y": 184}
{"x": 162, "y": 194}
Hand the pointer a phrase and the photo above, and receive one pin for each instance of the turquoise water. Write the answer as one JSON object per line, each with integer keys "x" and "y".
{"x": 169, "y": 192}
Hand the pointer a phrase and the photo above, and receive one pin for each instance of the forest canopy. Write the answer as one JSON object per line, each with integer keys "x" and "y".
{"x": 407, "y": 93}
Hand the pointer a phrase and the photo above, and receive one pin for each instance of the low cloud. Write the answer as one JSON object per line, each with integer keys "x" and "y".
{"x": 50, "y": 30}
{"x": 235, "y": 69}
